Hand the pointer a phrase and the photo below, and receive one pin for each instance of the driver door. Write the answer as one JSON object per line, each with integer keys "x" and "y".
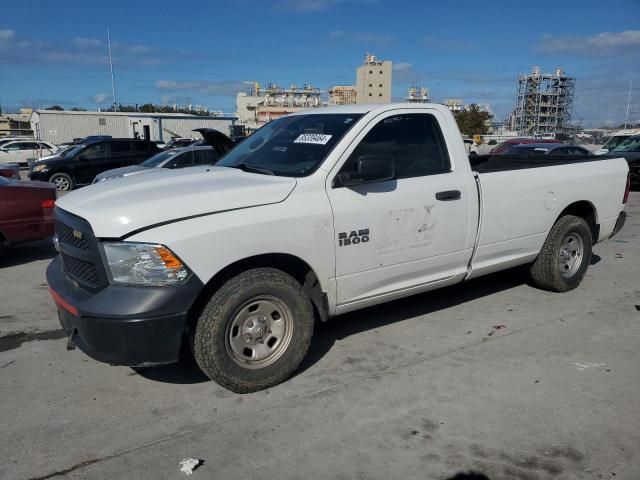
{"x": 404, "y": 234}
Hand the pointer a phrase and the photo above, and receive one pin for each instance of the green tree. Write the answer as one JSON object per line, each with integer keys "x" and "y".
{"x": 55, "y": 107}
{"x": 472, "y": 121}
{"x": 78, "y": 109}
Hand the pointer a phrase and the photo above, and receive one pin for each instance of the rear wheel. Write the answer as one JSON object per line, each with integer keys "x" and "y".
{"x": 62, "y": 181}
{"x": 565, "y": 255}
{"x": 254, "y": 331}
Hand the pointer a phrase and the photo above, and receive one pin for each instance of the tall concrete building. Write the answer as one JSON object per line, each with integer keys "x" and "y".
{"x": 342, "y": 95}
{"x": 373, "y": 81}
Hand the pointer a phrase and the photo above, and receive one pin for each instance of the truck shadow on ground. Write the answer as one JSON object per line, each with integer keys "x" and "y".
{"x": 327, "y": 334}
{"x": 27, "y": 252}
{"x": 378, "y": 316}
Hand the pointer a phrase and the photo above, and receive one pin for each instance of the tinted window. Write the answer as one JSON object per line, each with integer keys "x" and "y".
{"x": 120, "y": 148}
{"x": 140, "y": 147}
{"x": 414, "y": 141}
{"x": 158, "y": 159}
{"x": 207, "y": 157}
{"x": 182, "y": 160}
{"x": 28, "y": 146}
{"x": 99, "y": 150}
{"x": 12, "y": 146}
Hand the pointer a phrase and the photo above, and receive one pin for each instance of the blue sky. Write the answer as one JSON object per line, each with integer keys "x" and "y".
{"x": 54, "y": 52}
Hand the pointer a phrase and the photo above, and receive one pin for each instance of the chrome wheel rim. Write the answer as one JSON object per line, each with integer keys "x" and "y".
{"x": 61, "y": 183}
{"x": 570, "y": 255}
{"x": 259, "y": 332}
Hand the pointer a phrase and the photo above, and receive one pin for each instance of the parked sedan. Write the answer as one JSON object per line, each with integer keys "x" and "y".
{"x": 175, "y": 158}
{"x": 21, "y": 151}
{"x": 555, "y": 149}
{"x": 630, "y": 150}
{"x": 214, "y": 144}
{"x": 504, "y": 146}
{"x": 26, "y": 211}
{"x": 10, "y": 170}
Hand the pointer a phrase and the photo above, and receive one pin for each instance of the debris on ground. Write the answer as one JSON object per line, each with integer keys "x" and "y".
{"x": 619, "y": 255}
{"x": 584, "y": 366}
{"x": 638, "y": 308}
{"x": 499, "y": 327}
{"x": 189, "y": 465}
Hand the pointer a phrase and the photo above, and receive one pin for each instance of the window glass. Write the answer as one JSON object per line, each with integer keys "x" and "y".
{"x": 120, "y": 148}
{"x": 99, "y": 150}
{"x": 208, "y": 157}
{"x": 413, "y": 140}
{"x": 12, "y": 146}
{"x": 294, "y": 145}
{"x": 183, "y": 160}
{"x": 28, "y": 146}
{"x": 158, "y": 159}
{"x": 140, "y": 147}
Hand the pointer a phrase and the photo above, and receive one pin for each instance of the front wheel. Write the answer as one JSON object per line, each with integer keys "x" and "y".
{"x": 254, "y": 331}
{"x": 565, "y": 255}
{"x": 62, "y": 181}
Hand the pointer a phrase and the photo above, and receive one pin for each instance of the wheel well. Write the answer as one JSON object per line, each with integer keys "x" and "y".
{"x": 587, "y": 211}
{"x": 289, "y": 264}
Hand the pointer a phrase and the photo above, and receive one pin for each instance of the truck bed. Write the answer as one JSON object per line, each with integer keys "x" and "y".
{"x": 501, "y": 163}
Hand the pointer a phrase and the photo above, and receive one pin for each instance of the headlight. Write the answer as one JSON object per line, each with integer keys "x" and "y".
{"x": 40, "y": 168}
{"x": 144, "y": 264}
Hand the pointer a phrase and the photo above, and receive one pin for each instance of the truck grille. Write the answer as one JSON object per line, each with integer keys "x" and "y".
{"x": 79, "y": 251}
{"x": 65, "y": 235}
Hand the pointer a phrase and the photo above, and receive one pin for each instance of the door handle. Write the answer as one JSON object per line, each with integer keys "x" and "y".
{"x": 449, "y": 195}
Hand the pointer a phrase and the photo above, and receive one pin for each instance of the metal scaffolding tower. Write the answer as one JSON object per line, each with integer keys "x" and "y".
{"x": 544, "y": 102}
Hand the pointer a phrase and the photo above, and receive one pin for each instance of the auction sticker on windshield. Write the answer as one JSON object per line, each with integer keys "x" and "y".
{"x": 314, "y": 138}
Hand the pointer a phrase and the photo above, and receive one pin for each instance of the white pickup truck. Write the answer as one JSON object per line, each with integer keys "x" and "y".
{"x": 316, "y": 214}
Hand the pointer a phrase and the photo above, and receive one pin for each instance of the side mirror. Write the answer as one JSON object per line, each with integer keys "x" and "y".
{"x": 370, "y": 168}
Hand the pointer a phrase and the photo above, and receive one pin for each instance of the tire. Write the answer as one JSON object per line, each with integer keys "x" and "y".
{"x": 565, "y": 255}
{"x": 62, "y": 181}
{"x": 233, "y": 339}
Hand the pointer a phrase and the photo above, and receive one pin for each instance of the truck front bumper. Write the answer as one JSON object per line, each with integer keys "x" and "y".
{"x": 122, "y": 324}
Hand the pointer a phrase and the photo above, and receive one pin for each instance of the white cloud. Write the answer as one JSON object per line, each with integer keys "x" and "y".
{"x": 6, "y": 34}
{"x": 101, "y": 98}
{"x": 82, "y": 42}
{"x": 305, "y": 6}
{"x": 367, "y": 38}
{"x": 221, "y": 88}
{"x": 604, "y": 43}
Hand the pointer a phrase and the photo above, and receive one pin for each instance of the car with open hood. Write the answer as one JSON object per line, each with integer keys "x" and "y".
{"x": 214, "y": 145}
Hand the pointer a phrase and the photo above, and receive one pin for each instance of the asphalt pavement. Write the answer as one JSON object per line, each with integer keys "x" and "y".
{"x": 492, "y": 379}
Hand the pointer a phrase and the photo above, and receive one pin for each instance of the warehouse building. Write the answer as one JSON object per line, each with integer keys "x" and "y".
{"x": 61, "y": 126}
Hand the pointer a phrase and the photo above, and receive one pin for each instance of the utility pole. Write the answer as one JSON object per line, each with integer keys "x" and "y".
{"x": 113, "y": 84}
{"x": 626, "y": 118}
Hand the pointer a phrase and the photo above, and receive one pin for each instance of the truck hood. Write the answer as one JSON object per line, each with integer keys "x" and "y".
{"x": 123, "y": 172}
{"x": 121, "y": 206}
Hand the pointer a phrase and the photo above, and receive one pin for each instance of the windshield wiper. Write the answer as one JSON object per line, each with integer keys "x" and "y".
{"x": 252, "y": 169}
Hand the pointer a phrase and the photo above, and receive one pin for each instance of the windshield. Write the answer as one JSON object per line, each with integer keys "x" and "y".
{"x": 159, "y": 158}
{"x": 613, "y": 142}
{"x": 67, "y": 150}
{"x": 73, "y": 150}
{"x": 291, "y": 146}
{"x": 628, "y": 145}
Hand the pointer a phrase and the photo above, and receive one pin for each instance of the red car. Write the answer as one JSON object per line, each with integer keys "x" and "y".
{"x": 26, "y": 211}
{"x": 10, "y": 170}
{"x": 507, "y": 144}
